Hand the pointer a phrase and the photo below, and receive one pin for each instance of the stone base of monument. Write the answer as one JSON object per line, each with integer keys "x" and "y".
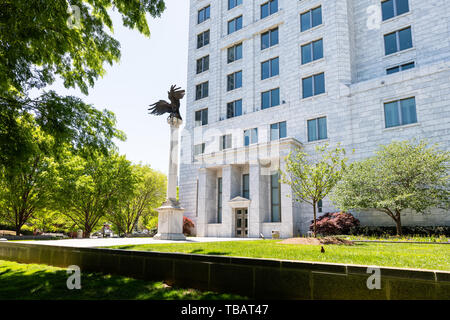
{"x": 170, "y": 221}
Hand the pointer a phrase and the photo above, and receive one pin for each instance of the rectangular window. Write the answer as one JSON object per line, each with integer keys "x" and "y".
{"x": 400, "y": 113}
{"x": 234, "y": 109}
{"x": 317, "y": 129}
{"x": 278, "y": 131}
{"x": 312, "y": 51}
{"x": 311, "y": 19}
{"x": 225, "y": 142}
{"x": 270, "y": 68}
{"x": 203, "y": 39}
{"x": 234, "y": 81}
{"x": 402, "y": 67}
{"x": 246, "y": 186}
{"x": 235, "y": 25}
{"x": 201, "y": 91}
{"x": 398, "y": 41}
{"x": 234, "y": 53}
{"x": 219, "y": 200}
{"x": 201, "y": 117}
{"x": 270, "y": 98}
{"x": 233, "y": 3}
{"x": 313, "y": 85}
{"x": 269, "y": 8}
{"x": 204, "y": 14}
{"x": 199, "y": 149}
{"x": 393, "y": 8}
{"x": 320, "y": 206}
{"x": 250, "y": 136}
{"x": 269, "y": 38}
{"x": 275, "y": 196}
{"x": 203, "y": 64}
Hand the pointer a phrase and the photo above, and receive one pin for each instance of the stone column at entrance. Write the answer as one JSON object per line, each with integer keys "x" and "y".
{"x": 170, "y": 214}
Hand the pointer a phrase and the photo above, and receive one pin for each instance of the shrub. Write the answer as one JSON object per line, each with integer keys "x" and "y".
{"x": 188, "y": 226}
{"x": 334, "y": 223}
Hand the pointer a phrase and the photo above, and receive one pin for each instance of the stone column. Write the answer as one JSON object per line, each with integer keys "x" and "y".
{"x": 170, "y": 214}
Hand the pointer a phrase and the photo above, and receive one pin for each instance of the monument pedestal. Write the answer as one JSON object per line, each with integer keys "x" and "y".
{"x": 170, "y": 221}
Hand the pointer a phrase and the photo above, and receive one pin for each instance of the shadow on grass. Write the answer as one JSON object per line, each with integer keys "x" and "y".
{"x": 42, "y": 283}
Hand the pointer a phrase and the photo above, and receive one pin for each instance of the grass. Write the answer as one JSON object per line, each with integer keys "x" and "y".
{"x": 410, "y": 238}
{"x": 417, "y": 256}
{"x": 42, "y": 282}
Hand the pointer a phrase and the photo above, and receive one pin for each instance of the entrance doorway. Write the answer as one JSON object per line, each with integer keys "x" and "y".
{"x": 241, "y": 223}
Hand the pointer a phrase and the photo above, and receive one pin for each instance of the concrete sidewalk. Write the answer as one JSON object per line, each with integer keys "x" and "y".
{"x": 107, "y": 242}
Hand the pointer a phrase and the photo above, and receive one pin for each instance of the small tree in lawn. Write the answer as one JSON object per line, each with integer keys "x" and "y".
{"x": 402, "y": 175}
{"x": 313, "y": 177}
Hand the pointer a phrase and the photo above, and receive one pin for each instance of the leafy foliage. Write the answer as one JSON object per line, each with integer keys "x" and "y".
{"x": 335, "y": 223}
{"x": 188, "y": 226}
{"x": 313, "y": 178}
{"x": 402, "y": 175}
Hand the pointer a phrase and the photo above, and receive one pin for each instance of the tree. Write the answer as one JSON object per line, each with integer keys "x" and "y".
{"x": 312, "y": 178}
{"x": 149, "y": 192}
{"x": 41, "y": 39}
{"x": 402, "y": 175}
{"x": 91, "y": 187}
{"x": 26, "y": 187}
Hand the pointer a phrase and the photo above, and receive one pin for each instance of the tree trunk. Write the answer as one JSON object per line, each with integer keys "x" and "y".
{"x": 87, "y": 231}
{"x": 18, "y": 230}
{"x": 315, "y": 222}
{"x": 398, "y": 223}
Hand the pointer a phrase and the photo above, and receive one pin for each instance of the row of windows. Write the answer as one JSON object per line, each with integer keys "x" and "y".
{"x": 397, "y": 113}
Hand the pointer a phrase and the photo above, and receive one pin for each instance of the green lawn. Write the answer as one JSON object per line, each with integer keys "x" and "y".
{"x": 42, "y": 282}
{"x": 418, "y": 256}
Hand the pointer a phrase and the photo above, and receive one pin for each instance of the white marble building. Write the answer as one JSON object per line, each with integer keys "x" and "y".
{"x": 265, "y": 77}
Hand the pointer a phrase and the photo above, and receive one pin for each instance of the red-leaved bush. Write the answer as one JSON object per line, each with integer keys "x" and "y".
{"x": 334, "y": 223}
{"x": 188, "y": 226}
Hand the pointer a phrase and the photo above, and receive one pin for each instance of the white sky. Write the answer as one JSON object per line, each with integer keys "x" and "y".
{"x": 147, "y": 69}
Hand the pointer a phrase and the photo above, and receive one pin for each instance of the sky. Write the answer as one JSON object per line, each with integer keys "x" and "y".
{"x": 147, "y": 69}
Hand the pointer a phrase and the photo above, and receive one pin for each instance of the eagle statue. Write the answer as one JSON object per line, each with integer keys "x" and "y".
{"x": 173, "y": 108}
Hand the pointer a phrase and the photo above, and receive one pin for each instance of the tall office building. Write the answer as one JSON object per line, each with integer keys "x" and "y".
{"x": 267, "y": 77}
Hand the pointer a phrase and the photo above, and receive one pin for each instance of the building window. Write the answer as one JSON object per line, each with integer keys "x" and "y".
{"x": 270, "y": 98}
{"x": 312, "y": 51}
{"x": 275, "y": 196}
{"x": 400, "y": 112}
{"x": 201, "y": 91}
{"x": 201, "y": 117}
{"x": 225, "y": 142}
{"x": 234, "y": 53}
{"x": 269, "y": 8}
{"x": 235, "y": 25}
{"x": 278, "y": 131}
{"x": 270, "y": 68}
{"x": 203, "y": 64}
{"x": 246, "y": 186}
{"x": 219, "y": 200}
{"x": 233, "y": 3}
{"x": 203, "y": 39}
{"x": 199, "y": 149}
{"x": 204, "y": 14}
{"x": 393, "y": 8}
{"x": 234, "y": 109}
{"x": 311, "y": 19}
{"x": 234, "y": 81}
{"x": 320, "y": 206}
{"x": 269, "y": 38}
{"x": 250, "y": 136}
{"x": 317, "y": 129}
{"x": 402, "y": 67}
{"x": 313, "y": 85}
{"x": 398, "y": 41}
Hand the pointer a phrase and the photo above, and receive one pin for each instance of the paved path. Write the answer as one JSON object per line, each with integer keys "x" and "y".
{"x": 107, "y": 242}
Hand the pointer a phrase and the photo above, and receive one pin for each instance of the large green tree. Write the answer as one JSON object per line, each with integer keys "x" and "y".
{"x": 313, "y": 176}
{"x": 26, "y": 188}
{"x": 401, "y": 175}
{"x": 89, "y": 188}
{"x": 149, "y": 193}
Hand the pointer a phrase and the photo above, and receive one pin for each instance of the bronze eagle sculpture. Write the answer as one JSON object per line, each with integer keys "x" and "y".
{"x": 173, "y": 108}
